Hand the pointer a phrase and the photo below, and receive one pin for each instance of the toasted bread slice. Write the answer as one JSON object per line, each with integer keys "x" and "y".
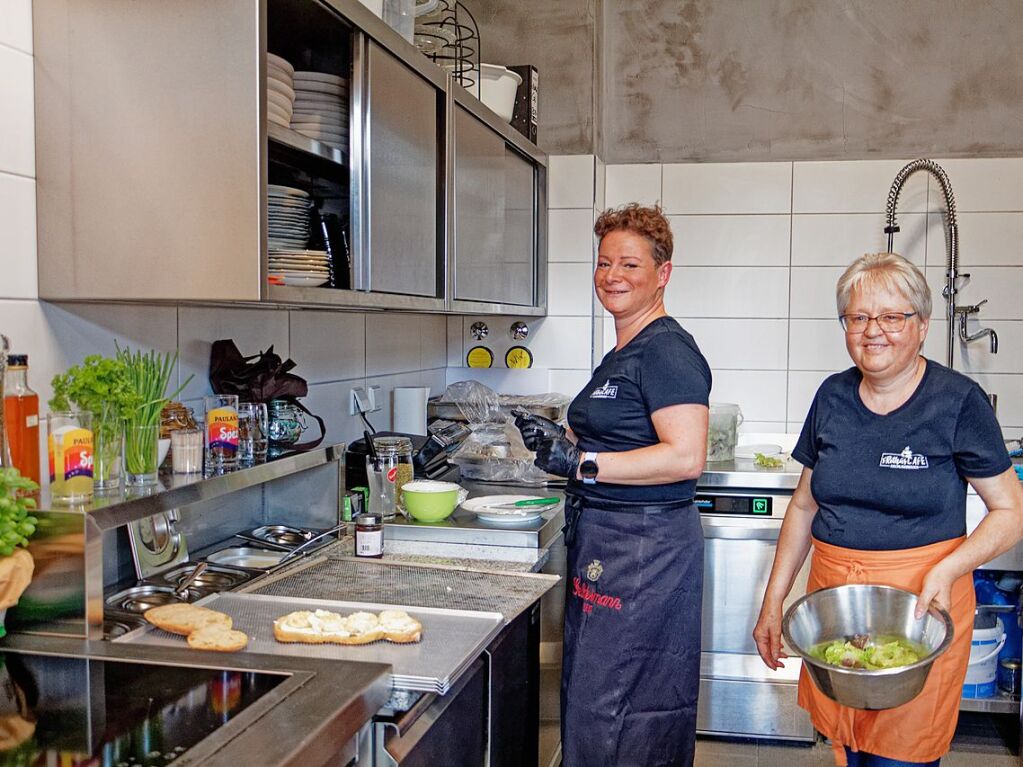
{"x": 323, "y": 626}
{"x": 180, "y": 618}
{"x": 217, "y": 638}
{"x": 400, "y": 627}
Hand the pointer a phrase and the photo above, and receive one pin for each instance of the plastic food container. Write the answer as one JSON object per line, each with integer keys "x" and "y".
{"x": 723, "y": 431}
{"x": 498, "y": 88}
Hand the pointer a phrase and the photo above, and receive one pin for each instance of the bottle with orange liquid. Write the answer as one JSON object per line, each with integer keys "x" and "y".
{"x": 21, "y": 417}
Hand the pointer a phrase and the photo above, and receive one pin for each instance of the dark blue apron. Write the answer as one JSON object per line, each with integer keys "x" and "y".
{"x": 632, "y": 634}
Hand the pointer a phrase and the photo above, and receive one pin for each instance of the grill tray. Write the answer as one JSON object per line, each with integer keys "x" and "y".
{"x": 452, "y": 639}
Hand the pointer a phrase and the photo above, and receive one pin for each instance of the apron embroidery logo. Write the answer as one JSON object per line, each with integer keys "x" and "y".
{"x": 907, "y": 459}
{"x": 582, "y": 590}
{"x": 594, "y": 569}
{"x": 607, "y": 391}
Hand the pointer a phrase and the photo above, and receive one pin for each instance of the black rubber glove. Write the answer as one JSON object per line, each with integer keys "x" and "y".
{"x": 536, "y": 429}
{"x": 559, "y": 457}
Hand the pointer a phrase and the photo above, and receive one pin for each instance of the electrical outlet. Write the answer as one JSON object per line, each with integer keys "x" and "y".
{"x": 357, "y": 401}
{"x": 374, "y": 399}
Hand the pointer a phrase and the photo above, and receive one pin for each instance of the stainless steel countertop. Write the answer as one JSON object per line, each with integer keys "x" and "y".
{"x": 745, "y": 475}
{"x": 306, "y": 720}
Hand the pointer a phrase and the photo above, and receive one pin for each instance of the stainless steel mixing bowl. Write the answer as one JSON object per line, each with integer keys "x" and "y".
{"x": 842, "y": 611}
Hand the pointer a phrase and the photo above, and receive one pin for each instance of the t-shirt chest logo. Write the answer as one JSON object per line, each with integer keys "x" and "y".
{"x": 607, "y": 391}
{"x": 907, "y": 459}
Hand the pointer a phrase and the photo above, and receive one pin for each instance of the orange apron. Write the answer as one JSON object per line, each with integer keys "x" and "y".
{"x": 918, "y": 731}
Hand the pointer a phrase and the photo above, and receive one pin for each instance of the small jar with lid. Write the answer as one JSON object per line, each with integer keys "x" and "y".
{"x": 395, "y": 456}
{"x": 369, "y": 536}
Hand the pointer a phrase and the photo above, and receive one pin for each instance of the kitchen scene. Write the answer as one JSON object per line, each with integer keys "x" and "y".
{"x": 296, "y": 297}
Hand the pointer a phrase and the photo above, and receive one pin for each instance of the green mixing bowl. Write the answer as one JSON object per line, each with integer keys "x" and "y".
{"x": 430, "y": 501}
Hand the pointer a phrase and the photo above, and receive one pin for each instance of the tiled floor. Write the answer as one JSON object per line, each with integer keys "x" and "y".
{"x": 981, "y": 741}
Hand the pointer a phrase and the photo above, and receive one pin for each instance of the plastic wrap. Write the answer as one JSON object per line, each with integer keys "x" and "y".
{"x": 494, "y": 452}
{"x": 476, "y": 403}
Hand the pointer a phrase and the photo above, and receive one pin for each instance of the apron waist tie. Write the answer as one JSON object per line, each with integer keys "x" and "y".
{"x": 574, "y": 505}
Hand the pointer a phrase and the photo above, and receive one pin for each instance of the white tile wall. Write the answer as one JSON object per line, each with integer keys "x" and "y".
{"x": 760, "y": 246}
{"x": 632, "y": 183}
{"x": 327, "y": 346}
{"x": 737, "y": 187}
{"x": 570, "y": 180}
{"x": 16, "y": 24}
{"x": 570, "y": 235}
{"x": 17, "y": 149}
{"x": 570, "y": 289}
{"x": 726, "y": 240}
{"x": 18, "y": 237}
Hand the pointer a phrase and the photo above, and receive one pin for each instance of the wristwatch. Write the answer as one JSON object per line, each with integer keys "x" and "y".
{"x": 588, "y": 469}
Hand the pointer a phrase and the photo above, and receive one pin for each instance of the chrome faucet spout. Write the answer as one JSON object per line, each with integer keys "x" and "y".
{"x": 966, "y": 337}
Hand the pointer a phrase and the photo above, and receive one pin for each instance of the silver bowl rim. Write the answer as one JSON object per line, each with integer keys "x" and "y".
{"x": 937, "y": 612}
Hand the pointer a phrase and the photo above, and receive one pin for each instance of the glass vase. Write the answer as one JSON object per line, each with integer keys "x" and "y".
{"x": 107, "y": 459}
{"x": 141, "y": 452}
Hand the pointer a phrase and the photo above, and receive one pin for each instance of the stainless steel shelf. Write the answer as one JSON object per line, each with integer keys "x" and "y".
{"x": 1002, "y": 703}
{"x": 296, "y": 140}
{"x": 176, "y": 490}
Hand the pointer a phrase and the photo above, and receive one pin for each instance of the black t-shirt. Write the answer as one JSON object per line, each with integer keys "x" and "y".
{"x": 897, "y": 481}
{"x": 660, "y": 367}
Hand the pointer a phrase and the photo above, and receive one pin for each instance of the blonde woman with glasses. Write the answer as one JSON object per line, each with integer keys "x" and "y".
{"x": 888, "y": 448}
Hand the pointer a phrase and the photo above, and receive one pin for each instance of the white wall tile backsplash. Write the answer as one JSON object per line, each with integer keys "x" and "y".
{"x": 17, "y": 121}
{"x": 728, "y": 240}
{"x": 18, "y": 237}
{"x": 759, "y": 247}
{"x": 327, "y": 346}
{"x": 738, "y": 187}
{"x": 570, "y": 235}
{"x": 853, "y": 187}
{"x": 16, "y": 24}
{"x": 837, "y": 239}
{"x": 632, "y": 183}
{"x": 570, "y": 181}
{"x": 570, "y": 289}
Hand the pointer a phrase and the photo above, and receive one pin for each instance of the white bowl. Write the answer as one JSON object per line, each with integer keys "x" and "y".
{"x": 162, "y": 449}
{"x": 498, "y": 89}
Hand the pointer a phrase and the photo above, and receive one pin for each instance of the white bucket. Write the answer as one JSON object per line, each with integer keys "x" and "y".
{"x": 984, "y": 649}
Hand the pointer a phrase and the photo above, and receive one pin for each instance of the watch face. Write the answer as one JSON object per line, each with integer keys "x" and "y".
{"x": 588, "y": 469}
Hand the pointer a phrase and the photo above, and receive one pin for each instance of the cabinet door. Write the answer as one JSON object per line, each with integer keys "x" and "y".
{"x": 403, "y": 178}
{"x": 495, "y": 219}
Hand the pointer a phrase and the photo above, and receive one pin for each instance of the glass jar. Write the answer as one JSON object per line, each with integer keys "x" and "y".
{"x": 369, "y": 536}
{"x": 285, "y": 425}
{"x": 395, "y": 457}
{"x": 723, "y": 431}
{"x": 176, "y": 417}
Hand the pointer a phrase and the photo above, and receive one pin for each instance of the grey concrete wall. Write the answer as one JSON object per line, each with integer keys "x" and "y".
{"x": 557, "y": 37}
{"x": 684, "y": 80}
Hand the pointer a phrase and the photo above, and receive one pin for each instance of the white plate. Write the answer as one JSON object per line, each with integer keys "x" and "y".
{"x": 746, "y": 452}
{"x": 307, "y": 253}
{"x": 279, "y": 74}
{"x": 334, "y": 101}
{"x": 320, "y": 77}
{"x": 303, "y": 282}
{"x": 281, "y": 62}
{"x": 286, "y": 191}
{"x": 278, "y": 111}
{"x": 307, "y": 86}
{"x": 278, "y": 87}
{"x": 278, "y": 100}
{"x": 481, "y": 507}
{"x": 318, "y": 119}
{"x": 284, "y": 122}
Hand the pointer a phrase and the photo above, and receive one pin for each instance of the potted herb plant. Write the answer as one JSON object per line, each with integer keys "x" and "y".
{"x": 148, "y": 376}
{"x": 16, "y": 526}
{"x": 101, "y": 386}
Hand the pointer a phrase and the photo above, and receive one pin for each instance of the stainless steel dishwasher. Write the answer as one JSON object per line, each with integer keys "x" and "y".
{"x": 742, "y": 510}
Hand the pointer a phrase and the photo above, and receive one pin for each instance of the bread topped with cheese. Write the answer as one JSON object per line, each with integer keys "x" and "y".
{"x": 324, "y": 626}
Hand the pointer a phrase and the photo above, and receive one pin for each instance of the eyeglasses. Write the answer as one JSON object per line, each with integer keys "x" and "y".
{"x": 889, "y": 322}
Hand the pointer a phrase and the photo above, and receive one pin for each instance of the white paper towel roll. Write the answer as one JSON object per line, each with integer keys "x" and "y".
{"x": 410, "y": 409}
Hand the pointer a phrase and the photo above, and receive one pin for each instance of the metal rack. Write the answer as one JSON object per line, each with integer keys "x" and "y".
{"x": 450, "y": 37}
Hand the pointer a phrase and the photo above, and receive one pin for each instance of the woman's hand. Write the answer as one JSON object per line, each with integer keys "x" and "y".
{"x": 536, "y": 429}
{"x": 767, "y": 635}
{"x": 937, "y": 589}
{"x": 558, "y": 457}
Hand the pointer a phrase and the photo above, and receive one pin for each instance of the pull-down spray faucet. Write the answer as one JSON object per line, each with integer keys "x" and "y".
{"x": 953, "y": 279}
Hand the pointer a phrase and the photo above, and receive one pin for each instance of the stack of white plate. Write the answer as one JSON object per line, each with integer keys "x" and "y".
{"x": 299, "y": 268}
{"x": 321, "y": 107}
{"x": 287, "y": 216}
{"x": 280, "y": 90}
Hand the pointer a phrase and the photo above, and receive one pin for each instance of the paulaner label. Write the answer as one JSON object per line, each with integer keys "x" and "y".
{"x": 907, "y": 459}
{"x": 582, "y": 590}
{"x": 222, "y": 426}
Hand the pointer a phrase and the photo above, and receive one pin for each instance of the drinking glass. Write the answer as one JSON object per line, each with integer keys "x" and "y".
{"x": 380, "y": 475}
{"x": 221, "y": 430}
{"x": 108, "y": 439}
{"x": 141, "y": 453}
{"x": 186, "y": 451}
{"x": 252, "y": 432}
{"x": 69, "y": 440}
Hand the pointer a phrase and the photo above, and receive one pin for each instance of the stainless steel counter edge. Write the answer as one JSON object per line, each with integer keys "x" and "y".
{"x": 177, "y": 490}
{"x": 307, "y": 720}
{"x": 744, "y": 475}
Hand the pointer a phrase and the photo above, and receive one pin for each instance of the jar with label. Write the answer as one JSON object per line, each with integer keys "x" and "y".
{"x": 69, "y": 442}
{"x": 394, "y": 455}
{"x": 369, "y": 536}
{"x": 221, "y": 432}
